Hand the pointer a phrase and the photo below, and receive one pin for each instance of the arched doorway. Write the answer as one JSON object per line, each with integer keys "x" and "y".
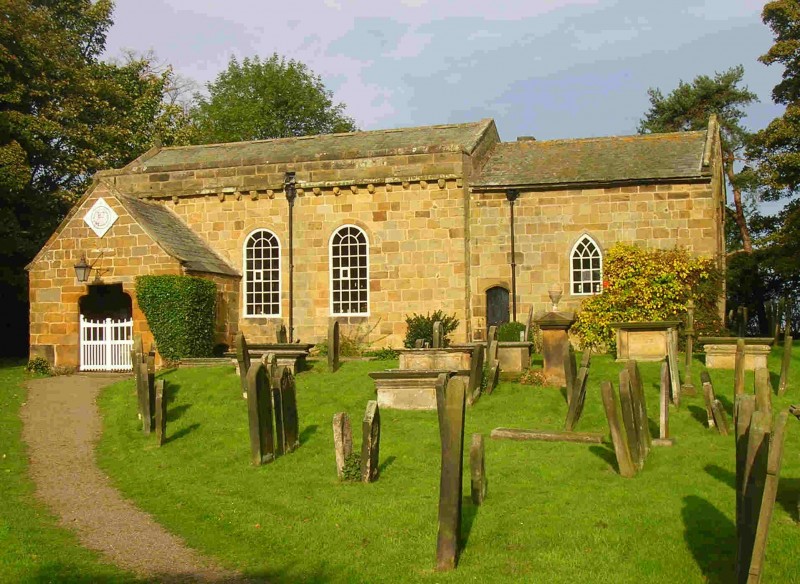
{"x": 497, "y": 307}
{"x": 106, "y": 329}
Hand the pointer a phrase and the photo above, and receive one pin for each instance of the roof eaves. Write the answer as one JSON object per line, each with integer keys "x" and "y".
{"x": 557, "y": 186}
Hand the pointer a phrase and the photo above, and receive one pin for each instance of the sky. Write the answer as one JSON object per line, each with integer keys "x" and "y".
{"x": 549, "y": 69}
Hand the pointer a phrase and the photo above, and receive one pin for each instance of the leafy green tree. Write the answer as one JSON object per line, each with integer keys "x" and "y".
{"x": 64, "y": 114}
{"x": 689, "y": 106}
{"x": 258, "y": 100}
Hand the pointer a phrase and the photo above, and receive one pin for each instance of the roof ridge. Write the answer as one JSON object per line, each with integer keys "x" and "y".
{"x": 651, "y": 135}
{"x": 336, "y": 134}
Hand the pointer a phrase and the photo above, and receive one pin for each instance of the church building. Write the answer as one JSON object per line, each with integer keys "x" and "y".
{"x": 367, "y": 228}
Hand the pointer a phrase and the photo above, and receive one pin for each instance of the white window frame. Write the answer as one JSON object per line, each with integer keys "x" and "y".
{"x": 597, "y": 286}
{"x": 331, "y": 268}
{"x": 258, "y": 276}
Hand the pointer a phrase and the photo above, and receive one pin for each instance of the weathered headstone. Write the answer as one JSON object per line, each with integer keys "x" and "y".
{"x": 475, "y": 374}
{"x": 709, "y": 396}
{"x": 663, "y": 407}
{"x": 438, "y": 335}
{"x": 419, "y": 343}
{"x": 720, "y": 417}
{"x": 259, "y": 414}
{"x": 738, "y": 369}
{"x": 450, "y": 406}
{"x": 528, "y": 325}
{"x": 145, "y": 393}
{"x": 576, "y": 403}
{"x": 672, "y": 359}
{"x": 243, "y": 360}
{"x": 477, "y": 467}
{"x": 161, "y": 412}
{"x": 619, "y": 437}
{"x": 492, "y": 359}
{"x": 628, "y": 408}
{"x": 688, "y": 386}
{"x": 787, "y": 352}
{"x": 371, "y": 442}
{"x": 744, "y": 406}
{"x": 342, "y": 440}
{"x": 640, "y": 403}
{"x": 136, "y": 349}
{"x": 284, "y": 402}
{"x": 570, "y": 370}
{"x": 270, "y": 361}
{"x": 281, "y": 335}
{"x": 333, "y": 346}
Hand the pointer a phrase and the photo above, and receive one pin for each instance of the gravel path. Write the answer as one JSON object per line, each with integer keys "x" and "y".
{"x": 61, "y": 427}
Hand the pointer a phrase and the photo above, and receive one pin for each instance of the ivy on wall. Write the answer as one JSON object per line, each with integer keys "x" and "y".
{"x": 180, "y": 313}
{"x": 650, "y": 285}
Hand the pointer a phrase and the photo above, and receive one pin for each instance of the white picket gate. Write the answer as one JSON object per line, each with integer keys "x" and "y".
{"x": 106, "y": 345}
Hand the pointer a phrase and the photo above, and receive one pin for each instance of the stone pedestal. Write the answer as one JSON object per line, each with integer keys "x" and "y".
{"x": 643, "y": 341}
{"x": 724, "y": 356}
{"x": 514, "y": 356}
{"x": 450, "y": 359}
{"x": 555, "y": 338}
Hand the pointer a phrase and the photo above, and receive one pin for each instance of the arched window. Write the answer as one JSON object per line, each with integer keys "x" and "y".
{"x": 262, "y": 274}
{"x": 349, "y": 269}
{"x": 586, "y": 273}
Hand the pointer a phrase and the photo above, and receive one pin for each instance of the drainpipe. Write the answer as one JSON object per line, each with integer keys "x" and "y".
{"x": 511, "y": 196}
{"x": 290, "y": 187}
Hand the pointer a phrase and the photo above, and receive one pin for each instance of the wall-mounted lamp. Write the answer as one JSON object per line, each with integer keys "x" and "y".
{"x": 83, "y": 269}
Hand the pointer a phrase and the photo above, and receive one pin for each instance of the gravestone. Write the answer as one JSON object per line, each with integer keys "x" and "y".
{"x": 672, "y": 359}
{"x": 475, "y": 374}
{"x": 342, "y": 441}
{"x": 619, "y": 437}
{"x": 640, "y": 402}
{"x": 787, "y": 352}
{"x": 137, "y": 351}
{"x": 688, "y": 386}
{"x": 284, "y": 402}
{"x": 270, "y": 361}
{"x": 759, "y": 454}
{"x": 450, "y": 406}
{"x": 738, "y": 369}
{"x": 161, "y": 412}
{"x": 492, "y": 359}
{"x": 709, "y": 396}
{"x": 570, "y": 370}
{"x": 419, "y": 343}
{"x": 763, "y": 390}
{"x": 477, "y": 467}
{"x": 146, "y": 395}
{"x": 720, "y": 417}
{"x": 259, "y": 415}
{"x": 628, "y": 408}
{"x": 438, "y": 335}
{"x": 243, "y": 360}
{"x": 528, "y": 325}
{"x": 663, "y": 407}
{"x": 280, "y": 335}
{"x": 576, "y": 403}
{"x": 371, "y": 442}
{"x": 333, "y": 346}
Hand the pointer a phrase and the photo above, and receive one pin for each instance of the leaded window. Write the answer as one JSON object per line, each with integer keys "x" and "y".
{"x": 262, "y": 274}
{"x": 349, "y": 271}
{"x": 587, "y": 267}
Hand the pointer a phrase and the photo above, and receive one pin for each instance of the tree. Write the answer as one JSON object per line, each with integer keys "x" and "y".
{"x": 258, "y": 100}
{"x": 689, "y": 107}
{"x": 64, "y": 115}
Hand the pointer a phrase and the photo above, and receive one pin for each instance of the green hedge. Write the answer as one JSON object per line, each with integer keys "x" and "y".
{"x": 180, "y": 313}
{"x": 421, "y": 327}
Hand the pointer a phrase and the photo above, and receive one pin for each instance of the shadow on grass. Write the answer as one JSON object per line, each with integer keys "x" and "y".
{"x": 307, "y": 365}
{"x": 180, "y": 433}
{"x": 711, "y": 537}
{"x": 774, "y": 380}
{"x": 537, "y": 361}
{"x": 723, "y": 475}
{"x": 386, "y": 464}
{"x": 563, "y": 391}
{"x": 607, "y": 454}
{"x": 699, "y": 414}
{"x": 789, "y": 497}
{"x": 308, "y": 432}
{"x": 177, "y": 412}
{"x": 468, "y": 513}
{"x": 727, "y": 404}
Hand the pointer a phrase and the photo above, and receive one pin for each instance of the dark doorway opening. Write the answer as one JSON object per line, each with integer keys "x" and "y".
{"x": 106, "y": 301}
{"x": 497, "y": 309}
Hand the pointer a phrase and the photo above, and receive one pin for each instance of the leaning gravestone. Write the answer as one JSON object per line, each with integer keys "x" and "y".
{"x": 438, "y": 335}
{"x": 371, "y": 442}
{"x": 570, "y": 370}
{"x": 578, "y": 399}
{"x": 259, "y": 415}
{"x": 243, "y": 360}
{"x": 709, "y": 396}
{"x": 419, "y": 343}
{"x": 663, "y": 407}
{"x": 672, "y": 358}
{"x": 137, "y": 352}
{"x": 759, "y": 453}
{"x": 146, "y": 394}
{"x": 282, "y": 338}
{"x": 161, "y": 412}
{"x": 738, "y": 368}
{"x": 630, "y": 419}
{"x": 342, "y": 441}
{"x": 640, "y": 402}
{"x": 619, "y": 437}
{"x": 492, "y": 359}
{"x": 787, "y": 351}
{"x": 333, "y": 346}
{"x": 477, "y": 467}
{"x": 450, "y": 406}
{"x": 475, "y": 374}
{"x": 284, "y": 403}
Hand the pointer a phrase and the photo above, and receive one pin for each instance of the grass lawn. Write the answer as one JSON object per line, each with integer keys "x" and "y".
{"x": 32, "y": 547}
{"x": 555, "y": 512}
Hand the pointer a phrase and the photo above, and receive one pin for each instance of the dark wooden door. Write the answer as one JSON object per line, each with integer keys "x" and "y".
{"x": 496, "y": 306}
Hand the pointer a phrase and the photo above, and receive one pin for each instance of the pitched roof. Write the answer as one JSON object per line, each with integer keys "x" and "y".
{"x": 418, "y": 140}
{"x": 677, "y": 155}
{"x": 175, "y": 238}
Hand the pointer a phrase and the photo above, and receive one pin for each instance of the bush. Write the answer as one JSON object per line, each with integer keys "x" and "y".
{"x": 385, "y": 354}
{"x": 533, "y": 376}
{"x": 180, "y": 313}
{"x": 509, "y": 331}
{"x": 39, "y": 365}
{"x": 650, "y": 285}
{"x": 421, "y": 327}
